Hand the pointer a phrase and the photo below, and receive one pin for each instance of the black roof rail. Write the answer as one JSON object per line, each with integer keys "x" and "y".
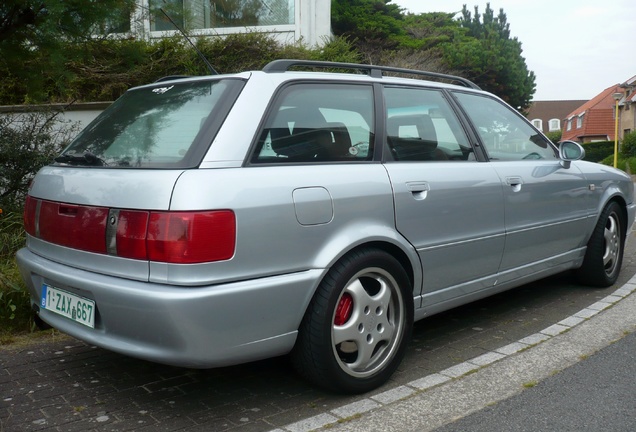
{"x": 172, "y": 77}
{"x": 283, "y": 65}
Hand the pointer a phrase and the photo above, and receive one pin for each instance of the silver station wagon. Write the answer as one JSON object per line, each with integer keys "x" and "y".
{"x": 210, "y": 221}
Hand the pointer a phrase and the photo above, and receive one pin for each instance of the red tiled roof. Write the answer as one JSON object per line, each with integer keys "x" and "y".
{"x": 603, "y": 100}
{"x": 598, "y": 117}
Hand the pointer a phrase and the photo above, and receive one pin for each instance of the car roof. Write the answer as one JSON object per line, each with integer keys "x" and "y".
{"x": 286, "y": 70}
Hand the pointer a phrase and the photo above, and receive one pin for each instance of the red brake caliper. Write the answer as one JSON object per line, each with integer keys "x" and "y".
{"x": 344, "y": 309}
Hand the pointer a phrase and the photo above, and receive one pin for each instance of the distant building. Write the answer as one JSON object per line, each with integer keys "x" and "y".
{"x": 547, "y": 115}
{"x": 594, "y": 120}
{"x": 288, "y": 21}
{"x": 627, "y": 112}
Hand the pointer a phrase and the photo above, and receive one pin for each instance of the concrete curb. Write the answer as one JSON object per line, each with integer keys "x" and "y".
{"x": 435, "y": 400}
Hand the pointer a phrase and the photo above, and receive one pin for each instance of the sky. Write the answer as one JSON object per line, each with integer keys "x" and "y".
{"x": 576, "y": 48}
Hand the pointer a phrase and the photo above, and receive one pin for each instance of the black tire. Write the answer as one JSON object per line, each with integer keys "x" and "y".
{"x": 357, "y": 326}
{"x": 604, "y": 255}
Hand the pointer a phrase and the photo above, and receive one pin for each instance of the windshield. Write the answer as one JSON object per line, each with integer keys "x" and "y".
{"x": 165, "y": 126}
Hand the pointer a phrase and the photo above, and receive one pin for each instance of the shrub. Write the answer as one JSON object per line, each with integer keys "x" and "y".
{"x": 28, "y": 141}
{"x": 15, "y": 309}
{"x": 598, "y": 151}
{"x": 554, "y": 136}
{"x": 628, "y": 145}
{"x": 103, "y": 69}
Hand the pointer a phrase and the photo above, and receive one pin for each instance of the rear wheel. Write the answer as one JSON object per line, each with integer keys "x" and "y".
{"x": 356, "y": 329}
{"x": 604, "y": 255}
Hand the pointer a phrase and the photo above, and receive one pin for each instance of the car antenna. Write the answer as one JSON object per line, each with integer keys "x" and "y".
{"x": 205, "y": 60}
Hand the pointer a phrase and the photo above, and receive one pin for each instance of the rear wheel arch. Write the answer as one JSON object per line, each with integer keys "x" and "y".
{"x": 394, "y": 251}
{"x": 375, "y": 328}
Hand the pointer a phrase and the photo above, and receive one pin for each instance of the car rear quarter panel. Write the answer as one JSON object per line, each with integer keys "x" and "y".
{"x": 271, "y": 239}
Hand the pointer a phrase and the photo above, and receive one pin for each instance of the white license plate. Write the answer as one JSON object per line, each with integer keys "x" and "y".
{"x": 79, "y": 309}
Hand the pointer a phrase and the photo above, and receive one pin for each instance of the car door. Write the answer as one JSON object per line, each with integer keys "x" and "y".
{"x": 546, "y": 205}
{"x": 447, "y": 204}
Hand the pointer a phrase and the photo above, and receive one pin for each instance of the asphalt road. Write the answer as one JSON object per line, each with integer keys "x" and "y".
{"x": 596, "y": 394}
{"x": 59, "y": 383}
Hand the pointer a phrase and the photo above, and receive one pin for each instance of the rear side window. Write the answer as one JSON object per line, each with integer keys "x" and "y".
{"x": 318, "y": 123}
{"x": 165, "y": 126}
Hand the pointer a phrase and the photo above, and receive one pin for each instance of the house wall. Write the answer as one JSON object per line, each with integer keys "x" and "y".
{"x": 309, "y": 21}
{"x": 79, "y": 114}
{"x": 627, "y": 120}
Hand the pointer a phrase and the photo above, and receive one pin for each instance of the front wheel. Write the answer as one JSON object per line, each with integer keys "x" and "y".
{"x": 604, "y": 255}
{"x": 356, "y": 328}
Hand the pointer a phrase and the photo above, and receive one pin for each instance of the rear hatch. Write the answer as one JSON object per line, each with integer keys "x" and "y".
{"x": 104, "y": 204}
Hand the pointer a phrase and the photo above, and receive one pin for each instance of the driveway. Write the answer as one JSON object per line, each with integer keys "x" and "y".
{"x": 58, "y": 383}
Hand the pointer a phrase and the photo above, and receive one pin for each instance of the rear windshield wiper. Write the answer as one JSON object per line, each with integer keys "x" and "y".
{"x": 86, "y": 158}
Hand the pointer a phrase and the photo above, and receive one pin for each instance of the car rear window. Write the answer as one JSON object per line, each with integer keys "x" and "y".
{"x": 170, "y": 125}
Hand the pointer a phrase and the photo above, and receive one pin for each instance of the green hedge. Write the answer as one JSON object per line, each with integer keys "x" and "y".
{"x": 598, "y": 151}
{"x": 102, "y": 70}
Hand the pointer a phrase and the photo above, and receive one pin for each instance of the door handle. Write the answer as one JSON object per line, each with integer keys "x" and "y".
{"x": 419, "y": 190}
{"x": 514, "y": 182}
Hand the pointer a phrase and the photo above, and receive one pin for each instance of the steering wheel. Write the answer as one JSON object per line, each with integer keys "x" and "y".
{"x": 533, "y": 155}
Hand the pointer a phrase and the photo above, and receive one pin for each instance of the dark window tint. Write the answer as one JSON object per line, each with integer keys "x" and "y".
{"x": 421, "y": 126}
{"x": 318, "y": 123}
{"x": 164, "y": 126}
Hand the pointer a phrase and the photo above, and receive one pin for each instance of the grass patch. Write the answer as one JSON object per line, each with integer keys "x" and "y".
{"x": 25, "y": 339}
{"x": 15, "y": 307}
{"x": 530, "y": 384}
{"x": 350, "y": 418}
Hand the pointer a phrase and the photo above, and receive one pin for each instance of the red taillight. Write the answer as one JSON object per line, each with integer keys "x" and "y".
{"x": 170, "y": 237}
{"x": 191, "y": 237}
{"x": 132, "y": 227}
{"x": 30, "y": 208}
{"x": 78, "y": 227}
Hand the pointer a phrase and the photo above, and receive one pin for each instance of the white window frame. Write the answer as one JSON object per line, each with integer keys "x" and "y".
{"x": 310, "y": 24}
{"x": 538, "y": 123}
{"x": 554, "y": 125}
{"x": 579, "y": 120}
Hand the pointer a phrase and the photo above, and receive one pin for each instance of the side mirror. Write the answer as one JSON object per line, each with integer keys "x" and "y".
{"x": 570, "y": 151}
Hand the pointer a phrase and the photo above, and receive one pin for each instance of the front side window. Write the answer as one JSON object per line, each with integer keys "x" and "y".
{"x": 318, "y": 123}
{"x": 162, "y": 126}
{"x": 421, "y": 126}
{"x": 505, "y": 134}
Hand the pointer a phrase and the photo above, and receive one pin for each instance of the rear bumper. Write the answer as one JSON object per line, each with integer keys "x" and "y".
{"x": 197, "y": 327}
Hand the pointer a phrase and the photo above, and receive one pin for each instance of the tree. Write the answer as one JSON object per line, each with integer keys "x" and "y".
{"x": 478, "y": 47}
{"x": 368, "y": 21}
{"x": 485, "y": 53}
{"x": 34, "y": 33}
